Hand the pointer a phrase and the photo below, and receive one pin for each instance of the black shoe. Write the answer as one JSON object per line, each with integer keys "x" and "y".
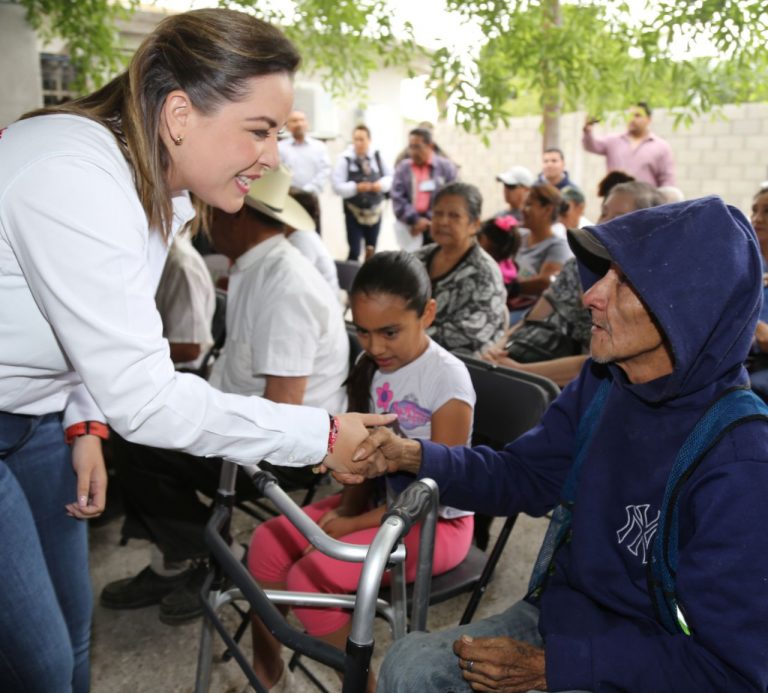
{"x": 184, "y": 603}
{"x": 144, "y": 589}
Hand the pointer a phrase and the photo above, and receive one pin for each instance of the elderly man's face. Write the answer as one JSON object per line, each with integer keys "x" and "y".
{"x": 623, "y": 331}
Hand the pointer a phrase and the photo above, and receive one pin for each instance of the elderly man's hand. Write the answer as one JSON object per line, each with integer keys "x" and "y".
{"x": 501, "y": 664}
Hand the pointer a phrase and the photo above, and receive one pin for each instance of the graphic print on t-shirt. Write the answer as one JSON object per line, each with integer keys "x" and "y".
{"x": 409, "y": 414}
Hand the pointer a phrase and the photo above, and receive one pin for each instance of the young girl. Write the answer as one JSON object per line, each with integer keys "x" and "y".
{"x": 500, "y": 238}
{"x": 402, "y": 371}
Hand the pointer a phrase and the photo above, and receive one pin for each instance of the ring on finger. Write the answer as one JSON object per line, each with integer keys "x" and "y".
{"x": 470, "y": 664}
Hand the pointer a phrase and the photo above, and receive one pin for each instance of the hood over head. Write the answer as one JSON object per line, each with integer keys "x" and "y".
{"x": 696, "y": 265}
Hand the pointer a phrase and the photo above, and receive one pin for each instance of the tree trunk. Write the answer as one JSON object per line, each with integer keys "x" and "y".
{"x": 550, "y": 85}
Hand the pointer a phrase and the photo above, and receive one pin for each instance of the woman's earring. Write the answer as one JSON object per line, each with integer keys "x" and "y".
{"x": 178, "y": 140}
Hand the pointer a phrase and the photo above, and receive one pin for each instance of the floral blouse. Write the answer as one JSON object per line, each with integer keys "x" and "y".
{"x": 471, "y": 301}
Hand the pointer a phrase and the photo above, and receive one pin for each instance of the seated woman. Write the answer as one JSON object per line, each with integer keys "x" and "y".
{"x": 466, "y": 281}
{"x": 542, "y": 253}
{"x": 403, "y": 371}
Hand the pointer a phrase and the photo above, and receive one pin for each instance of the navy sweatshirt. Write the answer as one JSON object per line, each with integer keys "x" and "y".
{"x": 697, "y": 267}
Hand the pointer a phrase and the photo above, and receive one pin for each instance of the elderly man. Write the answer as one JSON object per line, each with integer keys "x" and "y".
{"x": 619, "y": 607}
{"x": 414, "y": 185}
{"x": 306, "y": 157}
{"x": 638, "y": 152}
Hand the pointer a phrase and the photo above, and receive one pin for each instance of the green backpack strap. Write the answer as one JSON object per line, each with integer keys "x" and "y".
{"x": 733, "y": 408}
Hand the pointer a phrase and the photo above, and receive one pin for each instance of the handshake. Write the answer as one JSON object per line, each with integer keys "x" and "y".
{"x": 365, "y": 448}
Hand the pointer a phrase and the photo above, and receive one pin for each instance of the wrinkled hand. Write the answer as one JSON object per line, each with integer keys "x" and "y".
{"x": 352, "y": 432}
{"x": 88, "y": 463}
{"x": 501, "y": 664}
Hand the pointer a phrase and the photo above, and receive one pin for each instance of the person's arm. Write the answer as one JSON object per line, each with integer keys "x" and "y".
{"x": 88, "y": 464}
{"x": 561, "y": 371}
{"x": 87, "y": 268}
{"x": 342, "y": 186}
{"x": 323, "y": 170}
{"x": 591, "y": 143}
{"x": 401, "y": 195}
{"x": 182, "y": 352}
{"x": 535, "y": 285}
{"x": 761, "y": 336}
{"x": 452, "y": 423}
{"x": 526, "y": 476}
{"x": 287, "y": 390}
{"x": 385, "y": 182}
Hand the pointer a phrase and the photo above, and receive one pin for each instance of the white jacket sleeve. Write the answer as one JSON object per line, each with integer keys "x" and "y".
{"x": 81, "y": 241}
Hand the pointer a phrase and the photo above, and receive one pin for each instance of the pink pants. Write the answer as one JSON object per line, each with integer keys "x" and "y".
{"x": 275, "y": 556}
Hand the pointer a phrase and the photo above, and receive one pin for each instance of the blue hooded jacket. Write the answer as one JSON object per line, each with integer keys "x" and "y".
{"x": 696, "y": 265}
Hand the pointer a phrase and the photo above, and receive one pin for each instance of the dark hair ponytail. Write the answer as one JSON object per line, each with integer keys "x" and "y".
{"x": 397, "y": 273}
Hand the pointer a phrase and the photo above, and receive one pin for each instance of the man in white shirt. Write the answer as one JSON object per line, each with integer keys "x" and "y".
{"x": 306, "y": 158}
{"x": 186, "y": 301}
{"x": 286, "y": 341}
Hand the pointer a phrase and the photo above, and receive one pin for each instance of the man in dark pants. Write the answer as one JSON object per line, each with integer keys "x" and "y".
{"x": 361, "y": 179}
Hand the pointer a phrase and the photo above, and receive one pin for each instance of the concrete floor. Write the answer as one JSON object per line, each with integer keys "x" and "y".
{"x": 133, "y": 652}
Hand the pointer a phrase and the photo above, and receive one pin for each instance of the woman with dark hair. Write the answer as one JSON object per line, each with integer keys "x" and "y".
{"x": 401, "y": 370}
{"x": 542, "y": 253}
{"x": 466, "y": 281}
{"x": 91, "y": 194}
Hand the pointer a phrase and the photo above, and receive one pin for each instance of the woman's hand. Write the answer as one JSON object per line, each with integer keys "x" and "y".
{"x": 352, "y": 431}
{"x": 338, "y": 527}
{"x": 88, "y": 463}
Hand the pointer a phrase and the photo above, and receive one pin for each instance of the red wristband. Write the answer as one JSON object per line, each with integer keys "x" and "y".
{"x": 333, "y": 433}
{"x": 85, "y": 428}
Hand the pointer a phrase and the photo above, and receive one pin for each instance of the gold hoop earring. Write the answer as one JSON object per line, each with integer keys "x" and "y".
{"x": 178, "y": 140}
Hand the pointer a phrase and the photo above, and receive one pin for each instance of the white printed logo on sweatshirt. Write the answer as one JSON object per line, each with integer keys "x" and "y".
{"x": 638, "y": 531}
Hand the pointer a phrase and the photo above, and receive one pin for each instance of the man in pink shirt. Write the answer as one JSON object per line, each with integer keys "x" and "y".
{"x": 638, "y": 152}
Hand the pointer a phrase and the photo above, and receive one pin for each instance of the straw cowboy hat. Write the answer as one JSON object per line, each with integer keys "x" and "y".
{"x": 269, "y": 195}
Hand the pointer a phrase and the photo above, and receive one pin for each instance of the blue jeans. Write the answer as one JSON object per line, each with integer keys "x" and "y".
{"x": 425, "y": 661}
{"x": 45, "y": 587}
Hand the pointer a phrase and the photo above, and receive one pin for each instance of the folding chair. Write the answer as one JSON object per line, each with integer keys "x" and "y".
{"x": 509, "y": 403}
{"x": 346, "y": 270}
{"x": 419, "y": 501}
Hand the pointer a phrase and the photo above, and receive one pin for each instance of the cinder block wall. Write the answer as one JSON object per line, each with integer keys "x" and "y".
{"x": 724, "y": 154}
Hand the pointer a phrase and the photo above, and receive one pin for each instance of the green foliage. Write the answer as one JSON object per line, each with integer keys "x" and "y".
{"x": 343, "y": 40}
{"x": 88, "y": 28}
{"x": 600, "y": 57}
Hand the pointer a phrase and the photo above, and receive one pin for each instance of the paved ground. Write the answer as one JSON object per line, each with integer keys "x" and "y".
{"x": 134, "y": 653}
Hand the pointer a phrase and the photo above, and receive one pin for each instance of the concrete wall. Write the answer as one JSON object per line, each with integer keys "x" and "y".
{"x": 20, "y": 82}
{"x": 725, "y": 155}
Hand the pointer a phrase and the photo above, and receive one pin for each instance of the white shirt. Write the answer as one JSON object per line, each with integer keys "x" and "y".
{"x": 346, "y": 188}
{"x": 186, "y": 299}
{"x": 284, "y": 320}
{"x": 311, "y": 246}
{"x": 308, "y": 161}
{"x": 418, "y": 389}
{"x": 79, "y": 329}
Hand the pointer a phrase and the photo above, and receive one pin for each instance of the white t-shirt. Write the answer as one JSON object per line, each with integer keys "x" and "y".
{"x": 284, "y": 320}
{"x": 311, "y": 246}
{"x": 186, "y": 299}
{"x": 417, "y": 390}
{"x": 79, "y": 328}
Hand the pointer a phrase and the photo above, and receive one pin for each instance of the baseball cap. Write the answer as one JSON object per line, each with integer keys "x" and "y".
{"x": 517, "y": 175}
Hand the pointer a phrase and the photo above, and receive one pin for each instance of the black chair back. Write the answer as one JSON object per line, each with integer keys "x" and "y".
{"x": 346, "y": 270}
